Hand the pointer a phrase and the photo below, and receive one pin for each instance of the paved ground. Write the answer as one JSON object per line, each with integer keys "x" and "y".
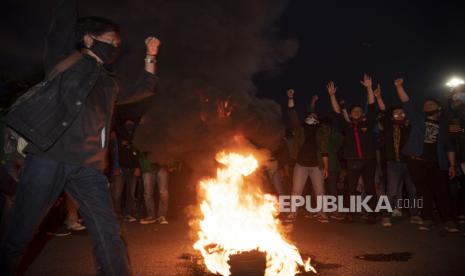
{"x": 337, "y": 248}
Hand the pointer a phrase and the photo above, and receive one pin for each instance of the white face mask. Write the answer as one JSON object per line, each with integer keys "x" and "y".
{"x": 310, "y": 120}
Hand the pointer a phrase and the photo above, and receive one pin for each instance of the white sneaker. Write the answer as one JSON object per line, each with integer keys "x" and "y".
{"x": 162, "y": 220}
{"x": 129, "y": 218}
{"x": 76, "y": 227}
{"x": 416, "y": 220}
{"x": 148, "y": 220}
{"x": 386, "y": 222}
{"x": 397, "y": 213}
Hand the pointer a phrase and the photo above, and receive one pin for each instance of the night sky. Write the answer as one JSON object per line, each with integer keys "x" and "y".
{"x": 423, "y": 42}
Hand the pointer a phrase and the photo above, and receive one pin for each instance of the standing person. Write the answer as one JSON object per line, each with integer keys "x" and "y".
{"x": 67, "y": 130}
{"x": 335, "y": 141}
{"x": 154, "y": 175}
{"x": 432, "y": 158}
{"x": 125, "y": 180}
{"x": 396, "y": 129}
{"x": 359, "y": 144}
{"x": 310, "y": 142}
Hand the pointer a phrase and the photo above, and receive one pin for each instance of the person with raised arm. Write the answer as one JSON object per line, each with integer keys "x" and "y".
{"x": 396, "y": 129}
{"x": 431, "y": 161}
{"x": 359, "y": 144}
{"x": 67, "y": 125}
{"x": 310, "y": 152}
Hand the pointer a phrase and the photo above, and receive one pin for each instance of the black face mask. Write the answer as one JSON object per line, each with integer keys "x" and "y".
{"x": 432, "y": 112}
{"x": 105, "y": 51}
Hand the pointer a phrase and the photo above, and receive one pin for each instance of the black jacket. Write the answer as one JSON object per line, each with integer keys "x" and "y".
{"x": 43, "y": 118}
{"x": 365, "y": 133}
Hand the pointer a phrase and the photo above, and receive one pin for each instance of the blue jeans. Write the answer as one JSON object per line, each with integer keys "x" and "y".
{"x": 41, "y": 183}
{"x": 397, "y": 176}
{"x": 149, "y": 185}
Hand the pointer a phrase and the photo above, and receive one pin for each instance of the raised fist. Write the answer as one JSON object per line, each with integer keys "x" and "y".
{"x": 290, "y": 93}
{"x": 399, "y": 82}
{"x": 152, "y": 44}
{"x": 315, "y": 98}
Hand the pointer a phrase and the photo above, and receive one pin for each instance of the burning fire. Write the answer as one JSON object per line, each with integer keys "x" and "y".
{"x": 237, "y": 219}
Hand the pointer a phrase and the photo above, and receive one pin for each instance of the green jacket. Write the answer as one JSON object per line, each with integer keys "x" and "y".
{"x": 298, "y": 140}
{"x": 336, "y": 139}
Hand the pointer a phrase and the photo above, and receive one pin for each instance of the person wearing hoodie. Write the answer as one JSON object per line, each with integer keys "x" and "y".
{"x": 310, "y": 151}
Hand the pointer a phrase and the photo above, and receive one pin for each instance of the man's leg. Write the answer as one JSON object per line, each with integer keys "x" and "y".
{"x": 353, "y": 176}
{"x": 89, "y": 188}
{"x": 163, "y": 181}
{"x": 394, "y": 176}
{"x": 117, "y": 189}
{"x": 411, "y": 190}
{"x": 131, "y": 182}
{"x": 421, "y": 176}
{"x": 149, "y": 184}
{"x": 368, "y": 176}
{"x": 440, "y": 189}
{"x": 41, "y": 183}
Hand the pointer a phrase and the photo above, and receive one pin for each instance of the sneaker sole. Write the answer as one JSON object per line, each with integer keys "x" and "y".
{"x": 147, "y": 222}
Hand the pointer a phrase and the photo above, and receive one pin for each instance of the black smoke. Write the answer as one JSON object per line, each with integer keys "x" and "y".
{"x": 210, "y": 51}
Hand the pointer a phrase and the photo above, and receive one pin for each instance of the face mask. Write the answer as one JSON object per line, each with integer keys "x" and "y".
{"x": 105, "y": 51}
{"x": 432, "y": 112}
{"x": 311, "y": 120}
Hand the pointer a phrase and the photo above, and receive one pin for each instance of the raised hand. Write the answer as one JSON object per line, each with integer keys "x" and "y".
{"x": 152, "y": 43}
{"x": 331, "y": 87}
{"x": 315, "y": 98}
{"x": 290, "y": 93}
{"x": 399, "y": 82}
{"x": 367, "y": 82}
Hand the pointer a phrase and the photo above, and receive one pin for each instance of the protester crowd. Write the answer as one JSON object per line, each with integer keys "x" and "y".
{"x": 413, "y": 158}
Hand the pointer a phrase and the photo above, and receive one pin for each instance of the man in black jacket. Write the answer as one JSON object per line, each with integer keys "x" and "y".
{"x": 359, "y": 143}
{"x": 67, "y": 126}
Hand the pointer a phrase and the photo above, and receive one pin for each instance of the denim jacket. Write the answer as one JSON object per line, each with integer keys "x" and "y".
{"x": 415, "y": 141}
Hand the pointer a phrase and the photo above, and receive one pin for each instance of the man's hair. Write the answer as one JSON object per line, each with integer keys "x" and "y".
{"x": 355, "y": 106}
{"x": 93, "y": 26}
{"x": 396, "y": 108}
{"x": 433, "y": 100}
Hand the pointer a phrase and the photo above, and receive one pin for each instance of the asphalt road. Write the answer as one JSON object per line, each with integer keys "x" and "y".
{"x": 336, "y": 249}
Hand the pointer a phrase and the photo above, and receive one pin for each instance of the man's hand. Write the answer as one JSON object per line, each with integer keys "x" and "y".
{"x": 117, "y": 172}
{"x": 152, "y": 44}
{"x": 367, "y": 82}
{"x": 137, "y": 172}
{"x": 452, "y": 172}
{"x": 377, "y": 91}
{"x": 399, "y": 82}
{"x": 290, "y": 93}
{"x": 325, "y": 173}
{"x": 315, "y": 98}
{"x": 331, "y": 87}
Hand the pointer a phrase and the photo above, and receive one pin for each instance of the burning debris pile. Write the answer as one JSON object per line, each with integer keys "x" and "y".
{"x": 238, "y": 217}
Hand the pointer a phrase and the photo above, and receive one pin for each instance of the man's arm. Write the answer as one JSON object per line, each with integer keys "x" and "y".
{"x": 379, "y": 98}
{"x": 147, "y": 82}
{"x": 331, "y": 88}
{"x": 293, "y": 117}
{"x": 313, "y": 103}
{"x": 60, "y": 40}
{"x": 368, "y": 83}
{"x": 403, "y": 96}
{"x": 452, "y": 165}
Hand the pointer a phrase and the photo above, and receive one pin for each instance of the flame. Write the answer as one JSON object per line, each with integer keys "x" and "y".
{"x": 237, "y": 219}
